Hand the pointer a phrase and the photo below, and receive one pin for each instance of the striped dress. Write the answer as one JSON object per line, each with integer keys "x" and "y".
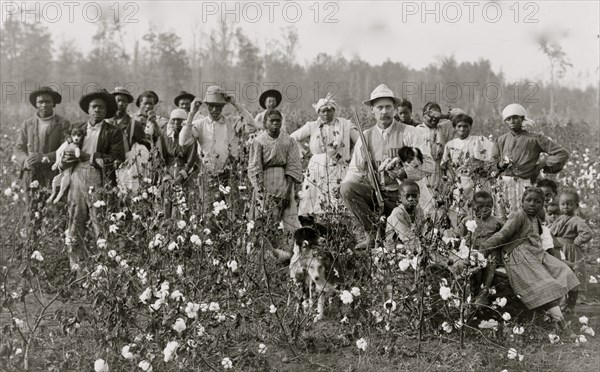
{"x": 535, "y": 276}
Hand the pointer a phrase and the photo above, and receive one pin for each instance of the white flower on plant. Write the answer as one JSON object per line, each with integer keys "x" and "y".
{"x": 195, "y": 239}
{"x": 588, "y": 330}
{"x": 227, "y": 363}
{"x": 500, "y": 301}
{"x": 145, "y": 366}
{"x": 580, "y": 339}
{"x": 488, "y": 324}
{"x": 172, "y": 246}
{"x": 177, "y": 295}
{"x": 224, "y": 189}
{"x": 191, "y": 310}
{"x": 355, "y": 291}
{"x": 8, "y": 191}
{"x": 281, "y": 226}
{"x": 101, "y": 243}
{"x": 157, "y": 304}
{"x": 34, "y": 185}
{"x": 262, "y": 348}
{"x": 361, "y": 344}
{"x": 15, "y": 197}
{"x": 445, "y": 292}
{"x": 18, "y": 322}
{"x": 249, "y": 226}
{"x": 216, "y": 262}
{"x": 19, "y": 351}
{"x": 113, "y": 229}
{"x": 181, "y": 224}
{"x": 169, "y": 350}
{"x": 344, "y": 320}
{"x": 208, "y": 242}
{"x": 518, "y": 330}
{"x": 377, "y": 315}
{"x": 126, "y": 353}
{"x": 200, "y": 330}
{"x": 492, "y": 291}
{"x": 471, "y": 225}
{"x": 124, "y": 264}
{"x": 114, "y": 217}
{"x": 242, "y": 187}
{"x": 404, "y": 264}
{"x": 214, "y": 306}
{"x": 179, "y": 271}
{"x": 179, "y": 325}
{"x": 218, "y": 207}
{"x": 463, "y": 250}
{"x": 232, "y": 265}
{"x": 207, "y": 231}
{"x": 593, "y": 280}
{"x": 112, "y": 253}
{"x": 272, "y": 309}
{"x": 512, "y": 353}
{"x": 390, "y": 306}
{"x": 136, "y": 216}
{"x": 583, "y": 320}
{"x": 203, "y": 307}
{"x": 447, "y": 327}
{"x": 99, "y": 204}
{"x": 144, "y": 196}
{"x": 145, "y": 296}
{"x": 100, "y": 365}
{"x": 506, "y": 316}
{"x": 346, "y": 297}
{"x": 36, "y": 255}
{"x": 117, "y": 259}
{"x": 553, "y": 338}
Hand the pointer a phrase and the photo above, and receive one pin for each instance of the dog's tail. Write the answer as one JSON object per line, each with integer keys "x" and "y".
{"x": 282, "y": 256}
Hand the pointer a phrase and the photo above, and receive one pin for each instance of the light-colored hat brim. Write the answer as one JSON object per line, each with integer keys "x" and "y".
{"x": 396, "y": 100}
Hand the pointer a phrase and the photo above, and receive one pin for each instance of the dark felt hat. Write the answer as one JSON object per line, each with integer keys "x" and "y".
{"x": 148, "y": 92}
{"x": 269, "y": 93}
{"x": 123, "y": 91}
{"x": 109, "y": 99}
{"x": 56, "y": 97}
{"x": 182, "y": 95}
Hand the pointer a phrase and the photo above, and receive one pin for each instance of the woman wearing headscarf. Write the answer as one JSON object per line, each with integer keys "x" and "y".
{"x": 518, "y": 154}
{"x": 330, "y": 141}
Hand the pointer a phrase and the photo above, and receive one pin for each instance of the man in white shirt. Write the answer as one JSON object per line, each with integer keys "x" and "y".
{"x": 218, "y": 139}
{"x": 382, "y": 141}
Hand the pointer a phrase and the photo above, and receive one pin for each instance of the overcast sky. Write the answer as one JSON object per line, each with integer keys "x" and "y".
{"x": 403, "y": 31}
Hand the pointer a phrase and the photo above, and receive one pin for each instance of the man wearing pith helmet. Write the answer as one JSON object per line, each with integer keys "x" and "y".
{"x": 218, "y": 137}
{"x": 269, "y": 100}
{"x": 102, "y": 147}
{"x": 131, "y": 130}
{"x": 382, "y": 141}
{"x": 38, "y": 139}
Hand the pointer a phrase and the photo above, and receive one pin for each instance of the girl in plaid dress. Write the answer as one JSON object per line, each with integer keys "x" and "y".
{"x": 538, "y": 278}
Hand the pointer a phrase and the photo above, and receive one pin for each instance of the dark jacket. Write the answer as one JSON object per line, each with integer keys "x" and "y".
{"x": 109, "y": 148}
{"x": 132, "y": 132}
{"x": 28, "y": 142}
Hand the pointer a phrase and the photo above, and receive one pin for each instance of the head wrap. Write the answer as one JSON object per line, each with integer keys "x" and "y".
{"x": 514, "y": 109}
{"x": 178, "y": 114}
{"x": 328, "y": 101}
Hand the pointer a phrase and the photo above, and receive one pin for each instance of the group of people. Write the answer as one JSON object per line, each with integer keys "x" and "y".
{"x": 391, "y": 172}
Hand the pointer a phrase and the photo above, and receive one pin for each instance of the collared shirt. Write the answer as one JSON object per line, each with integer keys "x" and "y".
{"x": 217, "y": 141}
{"x": 90, "y": 142}
{"x": 385, "y": 133}
{"x": 438, "y": 137}
{"x": 524, "y": 149}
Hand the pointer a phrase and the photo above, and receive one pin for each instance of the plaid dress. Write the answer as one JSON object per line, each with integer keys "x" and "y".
{"x": 535, "y": 276}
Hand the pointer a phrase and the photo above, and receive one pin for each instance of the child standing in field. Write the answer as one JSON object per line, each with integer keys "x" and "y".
{"x": 539, "y": 279}
{"x": 399, "y": 227}
{"x": 487, "y": 225}
{"x": 572, "y": 232}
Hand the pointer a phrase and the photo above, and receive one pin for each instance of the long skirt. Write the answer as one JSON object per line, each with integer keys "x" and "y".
{"x": 511, "y": 189}
{"x": 574, "y": 254}
{"x": 267, "y": 206}
{"x": 536, "y": 276}
{"x": 320, "y": 189}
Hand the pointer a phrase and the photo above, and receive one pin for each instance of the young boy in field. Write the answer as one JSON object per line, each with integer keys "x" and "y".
{"x": 572, "y": 232}
{"x": 399, "y": 227}
{"x": 487, "y": 225}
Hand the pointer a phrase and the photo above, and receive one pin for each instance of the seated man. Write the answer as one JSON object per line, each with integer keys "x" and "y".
{"x": 382, "y": 142}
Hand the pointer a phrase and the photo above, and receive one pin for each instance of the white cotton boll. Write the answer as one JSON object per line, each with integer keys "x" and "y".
{"x": 126, "y": 353}
{"x": 346, "y": 297}
{"x": 169, "y": 350}
{"x": 172, "y": 246}
{"x": 177, "y": 295}
{"x": 232, "y": 265}
{"x": 506, "y": 316}
{"x": 36, "y": 255}
{"x": 179, "y": 325}
{"x": 191, "y": 310}
{"x": 214, "y": 306}
{"x": 272, "y": 309}
{"x": 101, "y": 243}
{"x": 179, "y": 271}
{"x": 447, "y": 327}
{"x": 445, "y": 292}
{"x": 355, "y": 291}
{"x": 181, "y": 224}
{"x": 101, "y": 366}
{"x": 390, "y": 306}
{"x": 227, "y": 363}
{"x": 145, "y": 366}
{"x": 361, "y": 344}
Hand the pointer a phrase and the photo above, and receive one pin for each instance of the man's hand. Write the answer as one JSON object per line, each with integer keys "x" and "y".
{"x": 32, "y": 160}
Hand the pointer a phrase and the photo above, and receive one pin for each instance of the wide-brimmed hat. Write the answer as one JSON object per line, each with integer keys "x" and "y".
{"x": 269, "y": 93}
{"x": 215, "y": 95}
{"x": 382, "y": 91}
{"x": 123, "y": 91}
{"x": 178, "y": 114}
{"x": 56, "y": 97}
{"x": 148, "y": 92}
{"x": 183, "y": 94}
{"x": 109, "y": 99}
